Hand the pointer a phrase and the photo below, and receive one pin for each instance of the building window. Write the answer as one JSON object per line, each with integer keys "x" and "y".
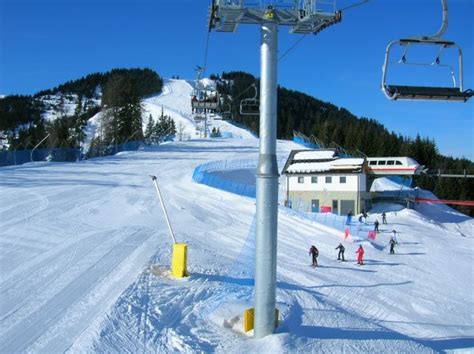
{"x": 398, "y": 163}
{"x": 342, "y": 179}
{"x": 390, "y": 162}
{"x": 328, "y": 179}
{"x": 300, "y": 179}
{"x": 335, "y": 206}
{"x": 314, "y": 179}
{"x": 374, "y": 162}
{"x": 382, "y": 162}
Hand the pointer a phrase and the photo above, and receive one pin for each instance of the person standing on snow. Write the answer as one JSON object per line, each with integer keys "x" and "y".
{"x": 392, "y": 243}
{"x": 349, "y": 217}
{"x": 376, "y": 226}
{"x": 364, "y": 213}
{"x": 384, "y": 218}
{"x": 313, "y": 251}
{"x": 360, "y": 255}
{"x": 394, "y": 236}
{"x": 360, "y": 219}
{"x": 341, "y": 252}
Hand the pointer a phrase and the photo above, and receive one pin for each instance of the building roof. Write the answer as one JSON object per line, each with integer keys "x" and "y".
{"x": 317, "y": 161}
{"x": 315, "y": 155}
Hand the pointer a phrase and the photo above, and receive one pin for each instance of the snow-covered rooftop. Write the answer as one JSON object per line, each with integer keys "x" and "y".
{"x": 336, "y": 165}
{"x": 315, "y": 155}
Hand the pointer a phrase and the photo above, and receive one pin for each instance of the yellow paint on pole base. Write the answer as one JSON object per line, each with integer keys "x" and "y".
{"x": 179, "y": 260}
{"x": 249, "y": 319}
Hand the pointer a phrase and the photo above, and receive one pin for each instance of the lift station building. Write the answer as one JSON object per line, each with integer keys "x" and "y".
{"x": 321, "y": 181}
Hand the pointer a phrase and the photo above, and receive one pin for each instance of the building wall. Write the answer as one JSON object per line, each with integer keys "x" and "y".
{"x": 303, "y": 199}
{"x": 353, "y": 183}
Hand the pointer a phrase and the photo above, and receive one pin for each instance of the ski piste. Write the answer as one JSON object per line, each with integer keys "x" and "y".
{"x": 85, "y": 259}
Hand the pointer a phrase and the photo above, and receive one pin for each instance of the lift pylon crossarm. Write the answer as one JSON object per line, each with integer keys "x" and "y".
{"x": 225, "y": 16}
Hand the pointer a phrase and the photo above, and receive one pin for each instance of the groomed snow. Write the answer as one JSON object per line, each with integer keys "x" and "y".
{"x": 85, "y": 259}
{"x": 385, "y": 184}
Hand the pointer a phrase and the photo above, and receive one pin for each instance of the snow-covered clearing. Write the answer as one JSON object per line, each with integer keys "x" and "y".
{"x": 85, "y": 256}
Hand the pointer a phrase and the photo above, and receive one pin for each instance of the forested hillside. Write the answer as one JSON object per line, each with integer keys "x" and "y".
{"x": 63, "y": 111}
{"x": 336, "y": 125}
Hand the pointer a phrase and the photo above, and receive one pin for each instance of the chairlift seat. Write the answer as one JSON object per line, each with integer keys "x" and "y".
{"x": 427, "y": 40}
{"x": 199, "y": 118}
{"x": 397, "y": 92}
{"x": 204, "y": 105}
{"x": 250, "y": 107}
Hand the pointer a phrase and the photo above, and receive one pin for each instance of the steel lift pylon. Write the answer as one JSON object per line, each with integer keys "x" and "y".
{"x": 302, "y": 16}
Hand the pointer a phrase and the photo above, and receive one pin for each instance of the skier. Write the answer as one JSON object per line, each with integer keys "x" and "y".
{"x": 349, "y": 217}
{"x": 360, "y": 219}
{"x": 376, "y": 226}
{"x": 392, "y": 243}
{"x": 394, "y": 236}
{"x": 313, "y": 251}
{"x": 384, "y": 218}
{"x": 364, "y": 213}
{"x": 341, "y": 252}
{"x": 360, "y": 255}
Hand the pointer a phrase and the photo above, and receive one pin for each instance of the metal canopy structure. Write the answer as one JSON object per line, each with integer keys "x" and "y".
{"x": 404, "y": 92}
{"x": 302, "y": 16}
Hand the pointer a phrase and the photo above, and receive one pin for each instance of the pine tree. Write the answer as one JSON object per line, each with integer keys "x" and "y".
{"x": 149, "y": 129}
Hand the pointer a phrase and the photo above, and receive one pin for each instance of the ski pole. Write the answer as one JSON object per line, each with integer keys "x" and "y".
{"x": 153, "y": 178}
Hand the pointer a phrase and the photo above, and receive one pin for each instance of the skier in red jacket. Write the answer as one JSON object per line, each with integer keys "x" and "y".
{"x": 360, "y": 255}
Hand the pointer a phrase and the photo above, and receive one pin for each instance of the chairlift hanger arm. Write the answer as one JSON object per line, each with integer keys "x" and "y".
{"x": 394, "y": 92}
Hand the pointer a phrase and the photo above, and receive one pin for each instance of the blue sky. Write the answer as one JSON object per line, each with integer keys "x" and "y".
{"x": 45, "y": 43}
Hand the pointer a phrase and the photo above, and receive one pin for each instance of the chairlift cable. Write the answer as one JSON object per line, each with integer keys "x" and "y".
{"x": 292, "y": 47}
{"x": 354, "y": 5}
{"x": 304, "y": 36}
{"x": 205, "y": 52}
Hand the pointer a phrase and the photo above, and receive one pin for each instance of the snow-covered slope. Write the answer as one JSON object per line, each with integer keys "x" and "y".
{"x": 175, "y": 101}
{"x": 85, "y": 255}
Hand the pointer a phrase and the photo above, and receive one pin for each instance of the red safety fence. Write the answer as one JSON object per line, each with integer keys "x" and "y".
{"x": 446, "y": 201}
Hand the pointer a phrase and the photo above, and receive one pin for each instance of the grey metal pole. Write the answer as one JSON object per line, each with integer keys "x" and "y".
{"x": 32, "y": 151}
{"x": 153, "y": 178}
{"x": 267, "y": 187}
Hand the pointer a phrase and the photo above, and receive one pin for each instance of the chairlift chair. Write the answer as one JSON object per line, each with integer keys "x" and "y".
{"x": 226, "y": 114}
{"x": 199, "y": 118}
{"x": 404, "y": 92}
{"x": 250, "y": 106}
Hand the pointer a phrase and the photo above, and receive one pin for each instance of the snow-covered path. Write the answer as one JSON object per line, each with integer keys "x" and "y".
{"x": 174, "y": 101}
{"x": 85, "y": 256}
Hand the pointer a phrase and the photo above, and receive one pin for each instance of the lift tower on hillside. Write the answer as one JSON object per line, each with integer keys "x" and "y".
{"x": 303, "y": 16}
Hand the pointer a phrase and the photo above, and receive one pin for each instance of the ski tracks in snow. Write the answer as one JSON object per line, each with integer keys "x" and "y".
{"x": 39, "y": 312}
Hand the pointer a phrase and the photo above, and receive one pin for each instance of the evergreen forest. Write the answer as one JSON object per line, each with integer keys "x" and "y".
{"x": 116, "y": 93}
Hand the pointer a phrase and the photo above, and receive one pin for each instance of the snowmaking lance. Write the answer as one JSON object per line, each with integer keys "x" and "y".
{"x": 180, "y": 250}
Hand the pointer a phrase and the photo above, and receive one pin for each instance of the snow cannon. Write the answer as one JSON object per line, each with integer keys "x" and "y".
{"x": 180, "y": 250}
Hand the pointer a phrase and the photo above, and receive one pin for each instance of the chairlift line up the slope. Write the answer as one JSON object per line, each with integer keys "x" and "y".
{"x": 443, "y": 93}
